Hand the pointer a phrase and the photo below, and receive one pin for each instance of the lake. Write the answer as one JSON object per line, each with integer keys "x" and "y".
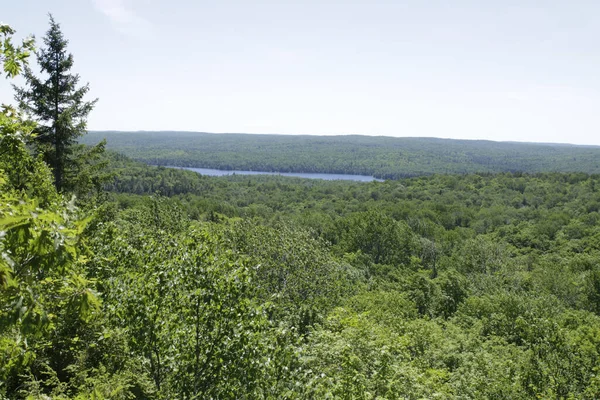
{"x": 329, "y": 177}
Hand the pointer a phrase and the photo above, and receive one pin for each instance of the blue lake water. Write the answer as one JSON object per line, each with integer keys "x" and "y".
{"x": 329, "y": 177}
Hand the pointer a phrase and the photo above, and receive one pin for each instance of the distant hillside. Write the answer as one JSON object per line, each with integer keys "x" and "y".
{"x": 382, "y": 157}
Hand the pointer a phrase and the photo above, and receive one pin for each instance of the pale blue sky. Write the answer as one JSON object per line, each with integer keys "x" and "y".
{"x": 500, "y": 70}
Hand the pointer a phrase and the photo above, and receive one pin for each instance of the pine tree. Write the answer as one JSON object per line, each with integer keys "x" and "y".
{"x": 57, "y": 104}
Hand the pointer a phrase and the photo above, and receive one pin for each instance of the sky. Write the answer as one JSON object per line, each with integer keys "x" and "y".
{"x": 502, "y": 70}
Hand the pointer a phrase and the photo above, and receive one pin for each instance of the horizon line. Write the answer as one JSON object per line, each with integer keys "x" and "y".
{"x": 345, "y": 134}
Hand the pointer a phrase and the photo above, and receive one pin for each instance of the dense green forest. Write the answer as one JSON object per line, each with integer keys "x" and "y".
{"x": 127, "y": 281}
{"x": 474, "y": 286}
{"x": 381, "y": 157}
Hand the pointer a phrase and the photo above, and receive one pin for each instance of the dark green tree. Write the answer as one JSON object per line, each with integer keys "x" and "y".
{"x": 57, "y": 103}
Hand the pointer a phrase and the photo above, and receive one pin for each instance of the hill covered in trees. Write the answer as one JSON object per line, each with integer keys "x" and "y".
{"x": 381, "y": 157}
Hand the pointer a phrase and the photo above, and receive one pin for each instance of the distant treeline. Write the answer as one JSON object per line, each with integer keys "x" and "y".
{"x": 381, "y": 157}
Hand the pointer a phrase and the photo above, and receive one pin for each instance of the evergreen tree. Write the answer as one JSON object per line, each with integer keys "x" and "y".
{"x": 58, "y": 105}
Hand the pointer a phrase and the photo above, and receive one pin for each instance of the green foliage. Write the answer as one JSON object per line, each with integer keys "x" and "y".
{"x": 295, "y": 271}
{"x": 383, "y": 239}
{"x": 189, "y": 305}
{"x": 44, "y": 289}
{"x": 480, "y": 286}
{"x": 266, "y": 287}
{"x": 47, "y": 302}
{"x": 21, "y": 171}
{"x": 88, "y": 172}
{"x": 12, "y": 57}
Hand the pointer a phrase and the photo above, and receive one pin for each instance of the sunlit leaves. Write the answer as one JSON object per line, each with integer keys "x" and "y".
{"x": 13, "y": 57}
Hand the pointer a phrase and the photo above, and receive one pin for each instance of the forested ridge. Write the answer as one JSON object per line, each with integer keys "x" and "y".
{"x": 381, "y": 157}
{"x": 127, "y": 281}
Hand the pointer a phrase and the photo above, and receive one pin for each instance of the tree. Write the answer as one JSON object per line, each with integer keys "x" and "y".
{"x": 57, "y": 103}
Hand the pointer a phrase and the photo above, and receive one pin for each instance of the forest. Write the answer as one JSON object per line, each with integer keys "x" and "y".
{"x": 121, "y": 280}
{"x": 381, "y": 157}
